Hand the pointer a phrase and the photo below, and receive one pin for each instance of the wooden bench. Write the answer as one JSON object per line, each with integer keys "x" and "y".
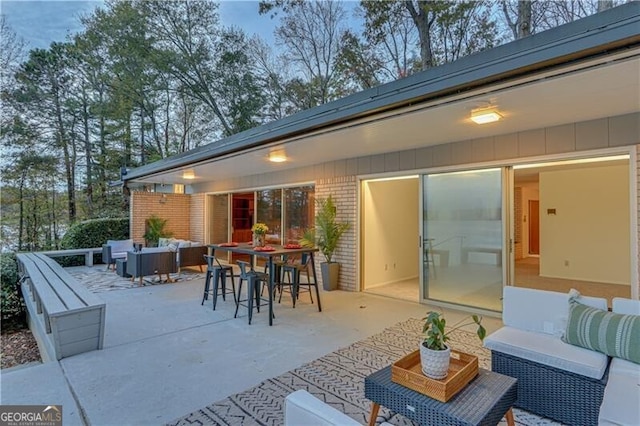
{"x": 490, "y": 250}
{"x": 87, "y": 252}
{"x": 64, "y": 316}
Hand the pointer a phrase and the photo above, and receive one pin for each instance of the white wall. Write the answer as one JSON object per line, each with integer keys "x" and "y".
{"x": 529, "y": 192}
{"x": 390, "y": 231}
{"x": 589, "y": 236}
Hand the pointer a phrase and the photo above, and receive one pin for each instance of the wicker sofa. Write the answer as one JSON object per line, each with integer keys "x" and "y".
{"x": 555, "y": 379}
{"x": 189, "y": 253}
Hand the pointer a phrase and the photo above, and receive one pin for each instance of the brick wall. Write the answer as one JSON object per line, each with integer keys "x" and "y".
{"x": 173, "y": 207}
{"x": 197, "y": 211}
{"x": 344, "y": 193}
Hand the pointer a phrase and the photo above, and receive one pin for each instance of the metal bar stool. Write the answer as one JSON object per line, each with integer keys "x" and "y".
{"x": 294, "y": 271}
{"x": 253, "y": 280}
{"x": 218, "y": 272}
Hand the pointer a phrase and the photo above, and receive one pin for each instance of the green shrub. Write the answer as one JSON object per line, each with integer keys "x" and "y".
{"x": 92, "y": 233}
{"x": 11, "y": 303}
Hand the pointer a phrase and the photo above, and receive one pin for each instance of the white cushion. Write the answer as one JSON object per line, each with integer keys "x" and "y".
{"x": 625, "y": 306}
{"x": 183, "y": 243}
{"x": 196, "y": 244}
{"x": 621, "y": 402}
{"x": 548, "y": 350}
{"x": 540, "y": 311}
{"x": 119, "y": 248}
{"x": 154, "y": 249}
{"x": 302, "y": 408}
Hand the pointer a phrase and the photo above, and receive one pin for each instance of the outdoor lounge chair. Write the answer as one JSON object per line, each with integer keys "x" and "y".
{"x": 115, "y": 249}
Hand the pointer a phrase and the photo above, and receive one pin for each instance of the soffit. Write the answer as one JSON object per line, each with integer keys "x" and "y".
{"x": 578, "y": 93}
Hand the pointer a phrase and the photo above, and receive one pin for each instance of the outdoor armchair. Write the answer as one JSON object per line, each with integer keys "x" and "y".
{"x": 115, "y": 249}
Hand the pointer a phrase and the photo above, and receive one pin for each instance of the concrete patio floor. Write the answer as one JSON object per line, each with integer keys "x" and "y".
{"x": 165, "y": 355}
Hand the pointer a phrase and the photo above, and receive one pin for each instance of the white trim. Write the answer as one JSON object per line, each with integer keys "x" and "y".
{"x": 262, "y": 188}
{"x": 633, "y": 215}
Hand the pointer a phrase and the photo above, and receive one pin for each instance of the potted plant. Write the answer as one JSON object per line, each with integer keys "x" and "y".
{"x": 259, "y": 232}
{"x": 325, "y": 235}
{"x": 435, "y": 354}
{"x": 155, "y": 229}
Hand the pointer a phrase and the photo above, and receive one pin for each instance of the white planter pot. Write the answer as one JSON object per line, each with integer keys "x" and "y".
{"x": 435, "y": 364}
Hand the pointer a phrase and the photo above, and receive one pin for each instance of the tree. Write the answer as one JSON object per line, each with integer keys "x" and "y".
{"x": 43, "y": 93}
{"x": 311, "y": 33}
{"x": 211, "y": 64}
{"x": 444, "y": 31}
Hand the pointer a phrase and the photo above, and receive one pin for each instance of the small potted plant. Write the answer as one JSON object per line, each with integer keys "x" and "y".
{"x": 259, "y": 230}
{"x": 325, "y": 235}
{"x": 434, "y": 352}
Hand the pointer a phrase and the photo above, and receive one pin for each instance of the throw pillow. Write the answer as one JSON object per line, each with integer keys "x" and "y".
{"x": 614, "y": 334}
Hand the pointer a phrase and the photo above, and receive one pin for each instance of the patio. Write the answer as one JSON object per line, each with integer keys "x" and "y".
{"x": 165, "y": 355}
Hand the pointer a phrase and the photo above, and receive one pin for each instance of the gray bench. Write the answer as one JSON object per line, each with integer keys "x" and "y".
{"x": 64, "y": 316}
{"x": 86, "y": 252}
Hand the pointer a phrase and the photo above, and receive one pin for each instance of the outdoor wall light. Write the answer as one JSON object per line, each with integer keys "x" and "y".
{"x": 485, "y": 115}
{"x": 278, "y": 156}
{"x": 188, "y": 174}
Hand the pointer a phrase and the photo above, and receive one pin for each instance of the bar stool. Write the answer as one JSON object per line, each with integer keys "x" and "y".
{"x": 253, "y": 279}
{"x": 218, "y": 272}
{"x": 294, "y": 271}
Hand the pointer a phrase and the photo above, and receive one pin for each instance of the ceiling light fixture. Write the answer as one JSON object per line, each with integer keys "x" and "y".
{"x": 278, "y": 156}
{"x": 485, "y": 115}
{"x": 188, "y": 174}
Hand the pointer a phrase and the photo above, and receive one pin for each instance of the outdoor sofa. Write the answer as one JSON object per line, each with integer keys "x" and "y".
{"x": 151, "y": 261}
{"x": 563, "y": 381}
{"x": 189, "y": 253}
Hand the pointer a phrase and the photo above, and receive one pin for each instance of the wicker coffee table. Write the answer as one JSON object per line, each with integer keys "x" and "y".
{"x": 484, "y": 401}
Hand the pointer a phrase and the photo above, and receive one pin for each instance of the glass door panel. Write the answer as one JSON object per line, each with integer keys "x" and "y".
{"x": 270, "y": 212}
{"x": 242, "y": 211}
{"x": 299, "y": 211}
{"x": 219, "y": 224}
{"x": 463, "y": 238}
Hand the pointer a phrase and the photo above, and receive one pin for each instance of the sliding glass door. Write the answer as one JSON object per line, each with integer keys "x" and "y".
{"x": 463, "y": 238}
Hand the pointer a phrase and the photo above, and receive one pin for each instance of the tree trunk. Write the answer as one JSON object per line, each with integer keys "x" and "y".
{"x": 21, "y": 220}
{"x": 87, "y": 153}
{"x": 423, "y": 22}
{"x": 604, "y": 5}
{"x": 524, "y": 18}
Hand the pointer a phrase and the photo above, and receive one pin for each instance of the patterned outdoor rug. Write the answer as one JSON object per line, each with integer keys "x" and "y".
{"x": 338, "y": 380}
{"x": 98, "y": 280}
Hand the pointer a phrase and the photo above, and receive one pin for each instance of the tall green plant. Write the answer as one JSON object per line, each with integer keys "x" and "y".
{"x": 156, "y": 230}
{"x": 327, "y": 231}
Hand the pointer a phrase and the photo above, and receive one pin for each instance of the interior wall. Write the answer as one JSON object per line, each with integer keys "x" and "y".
{"x": 390, "y": 230}
{"x": 588, "y": 236}
{"x": 530, "y": 192}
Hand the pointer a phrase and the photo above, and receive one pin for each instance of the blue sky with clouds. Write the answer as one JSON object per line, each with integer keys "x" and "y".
{"x": 41, "y": 22}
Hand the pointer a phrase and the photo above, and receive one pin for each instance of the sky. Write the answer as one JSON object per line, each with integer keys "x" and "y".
{"x": 41, "y": 22}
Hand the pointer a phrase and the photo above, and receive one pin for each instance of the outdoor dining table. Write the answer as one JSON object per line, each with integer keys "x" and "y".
{"x": 279, "y": 251}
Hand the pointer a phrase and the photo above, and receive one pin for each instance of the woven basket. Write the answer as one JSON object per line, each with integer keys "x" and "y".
{"x": 462, "y": 369}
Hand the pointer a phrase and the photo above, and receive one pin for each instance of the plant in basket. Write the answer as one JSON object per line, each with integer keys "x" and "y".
{"x": 435, "y": 354}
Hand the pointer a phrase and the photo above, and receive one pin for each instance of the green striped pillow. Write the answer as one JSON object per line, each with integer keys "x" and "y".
{"x": 614, "y": 334}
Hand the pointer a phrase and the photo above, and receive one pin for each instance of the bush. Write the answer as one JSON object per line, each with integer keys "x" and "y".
{"x": 11, "y": 302}
{"x": 92, "y": 233}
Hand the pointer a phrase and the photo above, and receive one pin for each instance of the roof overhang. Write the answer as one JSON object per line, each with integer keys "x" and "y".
{"x": 585, "y": 70}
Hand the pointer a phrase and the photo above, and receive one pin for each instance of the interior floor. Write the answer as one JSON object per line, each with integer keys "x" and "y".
{"x": 527, "y": 274}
